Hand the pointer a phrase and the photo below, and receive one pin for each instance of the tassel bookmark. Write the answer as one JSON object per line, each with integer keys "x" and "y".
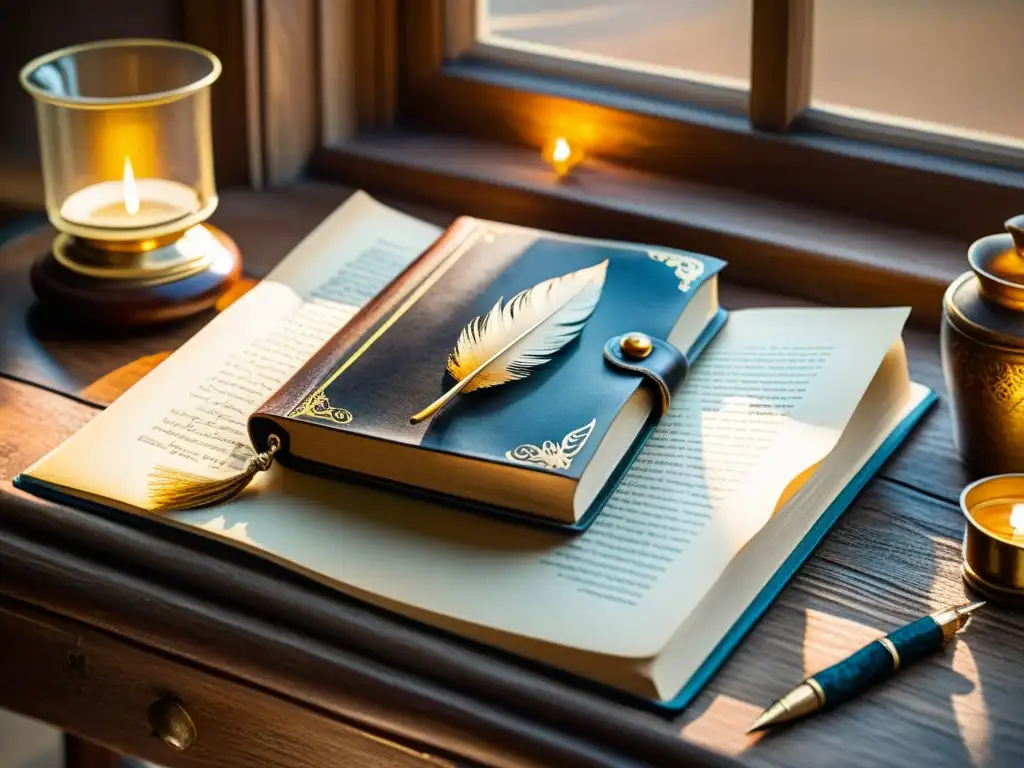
{"x": 172, "y": 489}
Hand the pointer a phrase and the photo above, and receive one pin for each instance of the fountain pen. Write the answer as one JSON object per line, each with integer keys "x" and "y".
{"x": 869, "y": 666}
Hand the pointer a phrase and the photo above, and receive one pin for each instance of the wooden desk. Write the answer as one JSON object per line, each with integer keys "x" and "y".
{"x": 99, "y": 618}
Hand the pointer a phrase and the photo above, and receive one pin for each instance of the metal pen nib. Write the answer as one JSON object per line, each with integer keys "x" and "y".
{"x": 953, "y": 620}
{"x": 800, "y": 701}
{"x": 967, "y": 610}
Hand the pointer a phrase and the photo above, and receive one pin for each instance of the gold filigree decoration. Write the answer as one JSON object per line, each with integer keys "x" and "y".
{"x": 319, "y": 407}
{"x": 987, "y": 373}
{"x": 550, "y": 454}
{"x": 688, "y": 269}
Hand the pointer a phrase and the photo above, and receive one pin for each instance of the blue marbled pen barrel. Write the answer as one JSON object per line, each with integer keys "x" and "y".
{"x": 871, "y": 665}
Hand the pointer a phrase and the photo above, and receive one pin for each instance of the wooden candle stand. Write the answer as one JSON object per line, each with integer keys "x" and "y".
{"x": 136, "y": 284}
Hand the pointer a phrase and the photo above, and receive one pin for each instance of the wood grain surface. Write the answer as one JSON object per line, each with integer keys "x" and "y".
{"x": 79, "y": 753}
{"x": 102, "y": 686}
{"x": 222, "y": 612}
{"x": 780, "y": 70}
{"x": 230, "y": 30}
{"x": 290, "y": 110}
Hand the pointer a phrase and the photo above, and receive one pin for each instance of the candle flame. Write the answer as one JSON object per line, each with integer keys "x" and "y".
{"x": 562, "y": 151}
{"x": 1017, "y": 519}
{"x": 131, "y": 193}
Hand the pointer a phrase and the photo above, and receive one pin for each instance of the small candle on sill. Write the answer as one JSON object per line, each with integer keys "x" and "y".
{"x": 562, "y": 156}
{"x": 130, "y": 203}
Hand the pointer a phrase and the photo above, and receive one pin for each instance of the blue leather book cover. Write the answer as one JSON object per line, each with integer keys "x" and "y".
{"x": 551, "y": 422}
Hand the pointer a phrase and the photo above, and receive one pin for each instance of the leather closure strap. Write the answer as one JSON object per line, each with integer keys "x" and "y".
{"x": 661, "y": 364}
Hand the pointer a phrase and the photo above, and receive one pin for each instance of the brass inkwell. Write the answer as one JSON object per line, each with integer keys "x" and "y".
{"x": 983, "y": 353}
{"x": 983, "y": 363}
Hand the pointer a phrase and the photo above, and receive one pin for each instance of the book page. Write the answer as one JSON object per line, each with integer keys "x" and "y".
{"x": 191, "y": 412}
{"x": 770, "y": 398}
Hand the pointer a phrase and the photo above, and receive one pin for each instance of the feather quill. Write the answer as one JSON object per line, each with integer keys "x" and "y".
{"x": 510, "y": 341}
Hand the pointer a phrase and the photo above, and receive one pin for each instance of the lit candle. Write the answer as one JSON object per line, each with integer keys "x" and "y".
{"x": 1003, "y": 518}
{"x": 562, "y": 156}
{"x": 993, "y": 551}
{"x": 130, "y": 203}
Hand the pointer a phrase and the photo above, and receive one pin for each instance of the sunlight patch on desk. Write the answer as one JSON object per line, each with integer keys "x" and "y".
{"x": 969, "y": 709}
{"x": 829, "y": 639}
{"x": 715, "y": 728}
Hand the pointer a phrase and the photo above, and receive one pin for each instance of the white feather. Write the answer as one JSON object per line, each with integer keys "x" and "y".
{"x": 510, "y": 341}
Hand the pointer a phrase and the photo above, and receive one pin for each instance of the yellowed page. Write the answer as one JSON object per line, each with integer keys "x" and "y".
{"x": 891, "y": 399}
{"x": 191, "y": 412}
{"x": 700, "y": 489}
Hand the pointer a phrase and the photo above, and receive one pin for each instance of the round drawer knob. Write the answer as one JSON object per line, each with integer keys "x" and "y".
{"x": 172, "y": 724}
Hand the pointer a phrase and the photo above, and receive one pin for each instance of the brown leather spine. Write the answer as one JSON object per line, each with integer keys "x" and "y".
{"x": 284, "y": 401}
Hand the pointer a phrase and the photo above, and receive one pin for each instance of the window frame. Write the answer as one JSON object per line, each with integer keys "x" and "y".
{"x": 317, "y": 74}
{"x": 785, "y": 149}
{"x": 366, "y": 93}
{"x": 461, "y": 42}
{"x": 305, "y": 78}
{"x": 362, "y": 92}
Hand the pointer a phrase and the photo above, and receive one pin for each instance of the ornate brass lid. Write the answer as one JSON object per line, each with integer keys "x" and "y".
{"x": 998, "y": 261}
{"x": 988, "y": 302}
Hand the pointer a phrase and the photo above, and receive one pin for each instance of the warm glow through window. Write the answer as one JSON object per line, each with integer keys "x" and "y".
{"x": 689, "y": 39}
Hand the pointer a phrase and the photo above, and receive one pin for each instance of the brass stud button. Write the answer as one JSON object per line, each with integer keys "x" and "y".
{"x": 636, "y": 345}
{"x": 172, "y": 724}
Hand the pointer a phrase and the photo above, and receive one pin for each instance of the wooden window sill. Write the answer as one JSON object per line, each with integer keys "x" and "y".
{"x": 771, "y": 244}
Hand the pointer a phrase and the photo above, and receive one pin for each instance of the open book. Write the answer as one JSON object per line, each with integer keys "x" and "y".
{"x": 785, "y": 417}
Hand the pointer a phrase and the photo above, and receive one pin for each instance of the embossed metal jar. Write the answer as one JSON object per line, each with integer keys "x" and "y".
{"x": 983, "y": 353}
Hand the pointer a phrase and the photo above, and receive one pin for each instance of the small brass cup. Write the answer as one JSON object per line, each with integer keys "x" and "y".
{"x": 993, "y": 562}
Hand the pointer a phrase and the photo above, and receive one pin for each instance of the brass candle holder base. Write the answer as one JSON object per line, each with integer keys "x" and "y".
{"x": 139, "y": 282}
{"x": 990, "y": 591}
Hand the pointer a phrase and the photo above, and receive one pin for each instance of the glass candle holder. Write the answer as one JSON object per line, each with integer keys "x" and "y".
{"x": 125, "y": 137}
{"x": 126, "y": 142}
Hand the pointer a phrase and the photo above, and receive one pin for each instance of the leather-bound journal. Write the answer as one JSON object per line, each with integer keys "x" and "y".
{"x": 548, "y": 444}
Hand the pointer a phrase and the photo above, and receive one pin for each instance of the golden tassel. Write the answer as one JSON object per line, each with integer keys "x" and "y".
{"x": 172, "y": 489}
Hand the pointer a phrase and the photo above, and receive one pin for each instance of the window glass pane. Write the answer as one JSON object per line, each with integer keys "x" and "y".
{"x": 950, "y": 63}
{"x": 695, "y": 39}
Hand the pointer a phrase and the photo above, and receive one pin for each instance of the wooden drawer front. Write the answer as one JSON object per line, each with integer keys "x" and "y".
{"x": 100, "y": 687}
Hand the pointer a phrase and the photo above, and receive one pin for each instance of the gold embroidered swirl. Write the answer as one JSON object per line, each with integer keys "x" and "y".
{"x": 688, "y": 269}
{"x": 319, "y": 407}
{"x": 551, "y": 455}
